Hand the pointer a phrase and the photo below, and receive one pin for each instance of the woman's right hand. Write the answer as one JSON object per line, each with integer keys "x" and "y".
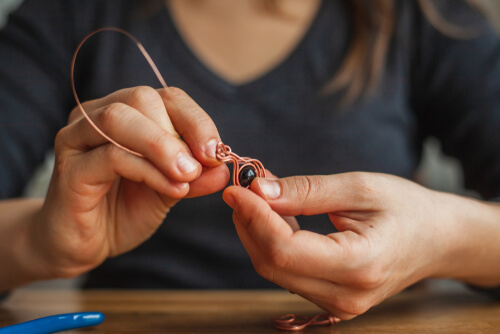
{"x": 103, "y": 201}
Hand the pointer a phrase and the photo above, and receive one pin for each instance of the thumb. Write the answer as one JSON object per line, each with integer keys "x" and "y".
{"x": 311, "y": 195}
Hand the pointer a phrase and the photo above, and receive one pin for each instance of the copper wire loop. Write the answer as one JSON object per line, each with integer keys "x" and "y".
{"x": 292, "y": 322}
{"x": 146, "y": 56}
{"x": 226, "y": 155}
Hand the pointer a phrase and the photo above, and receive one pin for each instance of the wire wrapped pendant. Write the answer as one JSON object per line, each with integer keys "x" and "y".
{"x": 245, "y": 170}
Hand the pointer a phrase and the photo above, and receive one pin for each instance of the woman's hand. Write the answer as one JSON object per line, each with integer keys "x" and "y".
{"x": 392, "y": 233}
{"x": 103, "y": 201}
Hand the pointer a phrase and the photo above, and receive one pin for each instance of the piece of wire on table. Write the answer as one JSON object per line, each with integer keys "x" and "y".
{"x": 293, "y": 322}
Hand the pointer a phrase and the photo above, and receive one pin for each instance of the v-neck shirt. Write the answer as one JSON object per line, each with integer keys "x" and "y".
{"x": 432, "y": 85}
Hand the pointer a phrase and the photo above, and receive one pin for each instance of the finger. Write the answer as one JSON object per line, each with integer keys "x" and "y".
{"x": 193, "y": 124}
{"x": 303, "y": 252}
{"x": 212, "y": 179}
{"x": 337, "y": 313}
{"x": 322, "y": 292}
{"x": 254, "y": 211}
{"x": 291, "y": 220}
{"x": 106, "y": 163}
{"x": 146, "y": 100}
{"x": 310, "y": 195}
{"x": 133, "y": 130}
{"x": 333, "y": 298}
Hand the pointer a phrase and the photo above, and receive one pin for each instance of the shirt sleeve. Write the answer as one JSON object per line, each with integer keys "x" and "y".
{"x": 34, "y": 88}
{"x": 456, "y": 94}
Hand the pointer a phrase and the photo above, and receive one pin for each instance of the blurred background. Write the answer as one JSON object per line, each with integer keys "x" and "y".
{"x": 437, "y": 171}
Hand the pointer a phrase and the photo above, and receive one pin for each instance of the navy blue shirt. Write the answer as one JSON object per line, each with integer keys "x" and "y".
{"x": 432, "y": 85}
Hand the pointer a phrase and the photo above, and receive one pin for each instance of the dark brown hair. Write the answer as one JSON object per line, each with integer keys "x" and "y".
{"x": 373, "y": 24}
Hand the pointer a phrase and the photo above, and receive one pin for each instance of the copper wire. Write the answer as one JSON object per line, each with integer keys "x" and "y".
{"x": 223, "y": 152}
{"x": 144, "y": 53}
{"x": 289, "y": 322}
{"x": 292, "y": 322}
{"x": 226, "y": 155}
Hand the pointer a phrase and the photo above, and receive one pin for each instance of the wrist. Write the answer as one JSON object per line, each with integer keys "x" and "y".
{"x": 47, "y": 254}
{"x": 36, "y": 257}
{"x": 17, "y": 253}
{"x": 469, "y": 241}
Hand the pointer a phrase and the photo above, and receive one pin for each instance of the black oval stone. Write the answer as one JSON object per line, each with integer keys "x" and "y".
{"x": 246, "y": 176}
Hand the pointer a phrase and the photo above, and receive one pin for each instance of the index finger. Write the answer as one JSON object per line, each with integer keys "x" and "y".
{"x": 302, "y": 252}
{"x": 193, "y": 124}
{"x": 144, "y": 99}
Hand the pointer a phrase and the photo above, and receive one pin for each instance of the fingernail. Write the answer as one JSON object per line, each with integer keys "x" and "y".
{"x": 185, "y": 163}
{"x": 210, "y": 149}
{"x": 270, "y": 188}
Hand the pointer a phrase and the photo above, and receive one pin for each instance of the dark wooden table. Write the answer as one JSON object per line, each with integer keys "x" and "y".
{"x": 422, "y": 310}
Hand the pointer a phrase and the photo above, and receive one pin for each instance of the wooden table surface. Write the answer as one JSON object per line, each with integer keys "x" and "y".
{"x": 422, "y": 310}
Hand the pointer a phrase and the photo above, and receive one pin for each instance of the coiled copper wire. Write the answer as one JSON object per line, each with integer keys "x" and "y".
{"x": 292, "y": 322}
{"x": 226, "y": 155}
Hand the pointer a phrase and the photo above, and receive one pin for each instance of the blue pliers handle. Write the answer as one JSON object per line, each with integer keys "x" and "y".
{"x": 55, "y": 323}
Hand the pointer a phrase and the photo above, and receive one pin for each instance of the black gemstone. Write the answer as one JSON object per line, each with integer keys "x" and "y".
{"x": 246, "y": 176}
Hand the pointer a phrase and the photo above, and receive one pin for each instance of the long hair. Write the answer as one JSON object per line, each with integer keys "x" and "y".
{"x": 373, "y": 24}
{"x": 373, "y": 28}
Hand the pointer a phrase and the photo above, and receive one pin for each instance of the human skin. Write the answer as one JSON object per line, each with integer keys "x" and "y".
{"x": 103, "y": 201}
{"x": 392, "y": 233}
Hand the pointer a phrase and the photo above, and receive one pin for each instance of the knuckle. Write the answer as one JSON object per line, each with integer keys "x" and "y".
{"x": 355, "y": 305}
{"x": 362, "y": 181}
{"x": 61, "y": 139}
{"x": 157, "y": 142}
{"x": 67, "y": 272}
{"x": 370, "y": 270}
{"x": 200, "y": 121}
{"x": 75, "y": 114}
{"x": 62, "y": 164}
{"x": 306, "y": 188}
{"x": 278, "y": 258}
{"x": 264, "y": 271}
{"x": 144, "y": 96}
{"x": 369, "y": 278}
{"x": 176, "y": 93}
{"x": 366, "y": 186}
{"x": 111, "y": 114}
{"x": 112, "y": 154}
{"x": 183, "y": 102}
{"x": 302, "y": 186}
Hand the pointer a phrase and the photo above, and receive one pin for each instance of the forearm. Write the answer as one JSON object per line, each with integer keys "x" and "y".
{"x": 473, "y": 241}
{"x": 19, "y": 259}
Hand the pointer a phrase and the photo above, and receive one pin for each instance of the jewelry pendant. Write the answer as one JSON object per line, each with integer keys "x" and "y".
{"x": 245, "y": 170}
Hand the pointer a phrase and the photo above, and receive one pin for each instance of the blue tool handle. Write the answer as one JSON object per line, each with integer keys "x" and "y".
{"x": 55, "y": 323}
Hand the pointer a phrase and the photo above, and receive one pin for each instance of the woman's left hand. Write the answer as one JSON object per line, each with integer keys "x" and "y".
{"x": 392, "y": 233}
